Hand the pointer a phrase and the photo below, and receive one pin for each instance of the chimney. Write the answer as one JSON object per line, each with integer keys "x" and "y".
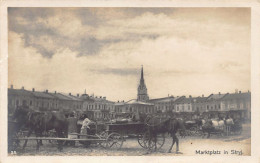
{"x": 202, "y": 95}
{"x": 104, "y": 97}
{"x": 118, "y": 101}
{"x": 12, "y": 87}
{"x": 33, "y": 89}
{"x": 190, "y": 96}
{"x": 219, "y": 93}
{"x": 70, "y": 94}
{"x": 248, "y": 91}
{"x": 123, "y": 100}
{"x": 46, "y": 90}
{"x": 239, "y": 92}
{"x": 22, "y": 87}
{"x": 55, "y": 92}
{"x": 100, "y": 97}
{"x": 77, "y": 95}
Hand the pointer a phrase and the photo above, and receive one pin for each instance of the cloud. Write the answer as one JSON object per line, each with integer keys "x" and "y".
{"x": 186, "y": 52}
{"x": 117, "y": 71}
{"x": 87, "y": 30}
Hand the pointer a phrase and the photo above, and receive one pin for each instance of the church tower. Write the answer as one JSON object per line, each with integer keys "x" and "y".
{"x": 142, "y": 90}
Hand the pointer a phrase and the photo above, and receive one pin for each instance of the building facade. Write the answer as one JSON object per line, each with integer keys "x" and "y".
{"x": 98, "y": 108}
{"x": 166, "y": 104}
{"x": 42, "y": 101}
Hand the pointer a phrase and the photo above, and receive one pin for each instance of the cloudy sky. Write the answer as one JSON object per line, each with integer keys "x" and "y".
{"x": 184, "y": 51}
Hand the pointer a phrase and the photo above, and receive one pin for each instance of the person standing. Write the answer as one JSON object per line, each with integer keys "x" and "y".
{"x": 85, "y": 126}
{"x": 72, "y": 128}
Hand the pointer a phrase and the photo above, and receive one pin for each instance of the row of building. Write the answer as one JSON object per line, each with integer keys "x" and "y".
{"x": 54, "y": 101}
{"x": 236, "y": 104}
{"x": 100, "y": 107}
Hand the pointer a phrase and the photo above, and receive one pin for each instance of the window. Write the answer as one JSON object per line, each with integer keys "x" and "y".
{"x": 188, "y": 107}
{"x": 24, "y": 102}
{"x": 241, "y": 105}
{"x": 219, "y": 106}
{"x": 207, "y": 107}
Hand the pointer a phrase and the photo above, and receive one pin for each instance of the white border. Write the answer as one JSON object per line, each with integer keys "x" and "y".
{"x": 255, "y": 80}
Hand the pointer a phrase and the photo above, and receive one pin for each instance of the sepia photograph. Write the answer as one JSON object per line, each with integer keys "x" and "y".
{"x": 129, "y": 81}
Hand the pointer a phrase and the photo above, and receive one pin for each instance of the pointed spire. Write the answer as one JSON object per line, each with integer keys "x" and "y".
{"x": 142, "y": 73}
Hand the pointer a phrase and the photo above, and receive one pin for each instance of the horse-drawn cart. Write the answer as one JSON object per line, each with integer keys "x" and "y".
{"x": 137, "y": 130}
{"x": 96, "y": 135}
{"x": 192, "y": 129}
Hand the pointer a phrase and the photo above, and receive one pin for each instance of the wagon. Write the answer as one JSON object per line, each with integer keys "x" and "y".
{"x": 192, "y": 129}
{"x": 133, "y": 130}
{"x": 96, "y": 135}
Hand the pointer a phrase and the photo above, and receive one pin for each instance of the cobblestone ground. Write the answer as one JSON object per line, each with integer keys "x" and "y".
{"x": 188, "y": 146}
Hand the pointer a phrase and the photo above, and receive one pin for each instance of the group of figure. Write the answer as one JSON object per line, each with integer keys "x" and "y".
{"x": 74, "y": 128}
{"x": 78, "y": 127}
{"x": 42, "y": 122}
{"x": 221, "y": 125}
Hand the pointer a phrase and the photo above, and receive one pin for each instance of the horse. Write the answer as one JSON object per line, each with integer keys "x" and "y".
{"x": 156, "y": 125}
{"x": 39, "y": 122}
{"x": 214, "y": 126}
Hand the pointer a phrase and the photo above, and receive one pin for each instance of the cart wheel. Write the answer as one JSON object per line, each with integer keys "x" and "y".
{"x": 103, "y": 135}
{"x": 114, "y": 141}
{"x": 149, "y": 141}
{"x": 52, "y": 134}
{"x": 193, "y": 131}
{"x": 142, "y": 140}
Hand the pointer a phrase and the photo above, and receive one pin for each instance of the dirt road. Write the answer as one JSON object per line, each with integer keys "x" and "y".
{"x": 216, "y": 145}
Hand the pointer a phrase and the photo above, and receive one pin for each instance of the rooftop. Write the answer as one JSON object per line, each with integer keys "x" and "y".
{"x": 135, "y": 102}
{"x": 60, "y": 96}
{"x": 71, "y": 97}
{"x": 237, "y": 96}
{"x": 42, "y": 94}
{"x": 20, "y": 92}
{"x": 216, "y": 96}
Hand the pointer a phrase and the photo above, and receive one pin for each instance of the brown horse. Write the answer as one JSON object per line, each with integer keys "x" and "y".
{"x": 39, "y": 122}
{"x": 156, "y": 125}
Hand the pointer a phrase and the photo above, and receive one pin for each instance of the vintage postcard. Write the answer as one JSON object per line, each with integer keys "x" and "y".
{"x": 130, "y": 81}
